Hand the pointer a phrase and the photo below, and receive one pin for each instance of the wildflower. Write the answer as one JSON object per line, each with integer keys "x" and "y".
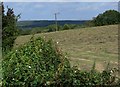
{"x": 75, "y": 71}
{"x": 111, "y": 71}
{"x": 29, "y": 66}
{"x": 13, "y": 79}
{"x": 57, "y": 42}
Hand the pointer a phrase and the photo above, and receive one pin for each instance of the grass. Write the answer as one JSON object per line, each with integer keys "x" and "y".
{"x": 83, "y": 46}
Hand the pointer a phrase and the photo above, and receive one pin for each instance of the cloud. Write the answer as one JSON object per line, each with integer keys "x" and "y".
{"x": 97, "y": 6}
{"x": 60, "y": 0}
{"x": 86, "y": 8}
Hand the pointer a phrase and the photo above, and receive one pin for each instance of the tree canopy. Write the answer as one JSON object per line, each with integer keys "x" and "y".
{"x": 9, "y": 28}
{"x": 107, "y": 18}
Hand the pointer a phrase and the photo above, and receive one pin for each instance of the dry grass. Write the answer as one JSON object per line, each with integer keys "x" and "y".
{"x": 84, "y": 46}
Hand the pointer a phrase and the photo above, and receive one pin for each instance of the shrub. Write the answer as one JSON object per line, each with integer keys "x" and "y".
{"x": 24, "y": 32}
{"x": 36, "y": 30}
{"x": 66, "y": 27}
{"x": 37, "y": 63}
{"x": 52, "y": 27}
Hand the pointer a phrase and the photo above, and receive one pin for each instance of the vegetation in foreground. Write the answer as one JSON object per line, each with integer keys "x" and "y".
{"x": 9, "y": 28}
{"x": 41, "y": 63}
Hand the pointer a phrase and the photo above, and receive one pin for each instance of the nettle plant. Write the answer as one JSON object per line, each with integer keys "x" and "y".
{"x": 40, "y": 63}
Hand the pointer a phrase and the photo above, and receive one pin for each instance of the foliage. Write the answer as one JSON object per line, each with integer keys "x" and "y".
{"x": 9, "y": 29}
{"x": 34, "y": 64}
{"x": 66, "y": 27}
{"x": 89, "y": 24}
{"x": 52, "y": 28}
{"x": 36, "y": 30}
{"x": 72, "y": 26}
{"x": 41, "y": 63}
{"x": 25, "y": 32}
{"x": 107, "y": 18}
{"x": 93, "y": 78}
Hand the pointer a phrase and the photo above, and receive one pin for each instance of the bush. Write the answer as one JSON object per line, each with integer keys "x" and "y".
{"x": 66, "y": 27}
{"x": 52, "y": 27}
{"x": 40, "y": 63}
{"x": 93, "y": 78}
{"x": 37, "y": 63}
{"x": 36, "y": 30}
{"x": 24, "y": 32}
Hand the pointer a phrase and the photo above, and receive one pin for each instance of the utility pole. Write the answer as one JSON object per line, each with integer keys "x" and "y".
{"x": 56, "y": 21}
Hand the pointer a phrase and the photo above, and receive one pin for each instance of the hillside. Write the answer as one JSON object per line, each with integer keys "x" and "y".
{"x": 84, "y": 46}
{"x": 43, "y": 23}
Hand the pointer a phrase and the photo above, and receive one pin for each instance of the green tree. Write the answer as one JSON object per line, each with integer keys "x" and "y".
{"x": 9, "y": 28}
{"x": 107, "y": 18}
{"x": 52, "y": 28}
{"x": 66, "y": 27}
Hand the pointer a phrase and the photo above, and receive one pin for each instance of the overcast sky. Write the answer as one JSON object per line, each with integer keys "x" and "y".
{"x": 67, "y": 10}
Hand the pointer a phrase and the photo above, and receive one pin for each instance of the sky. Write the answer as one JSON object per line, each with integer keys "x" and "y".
{"x": 60, "y": 0}
{"x": 66, "y": 10}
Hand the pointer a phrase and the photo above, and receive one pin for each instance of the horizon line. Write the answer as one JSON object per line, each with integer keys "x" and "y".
{"x": 54, "y": 20}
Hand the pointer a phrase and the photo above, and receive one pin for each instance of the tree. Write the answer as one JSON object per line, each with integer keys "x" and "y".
{"x": 52, "y": 28}
{"x": 107, "y": 18}
{"x": 66, "y": 27}
{"x": 9, "y": 28}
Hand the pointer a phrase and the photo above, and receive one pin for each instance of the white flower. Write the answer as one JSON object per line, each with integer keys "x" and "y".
{"x": 57, "y": 42}
{"x": 75, "y": 71}
{"x": 16, "y": 50}
{"x": 29, "y": 66}
{"x": 13, "y": 79}
{"x": 111, "y": 71}
{"x": 48, "y": 82}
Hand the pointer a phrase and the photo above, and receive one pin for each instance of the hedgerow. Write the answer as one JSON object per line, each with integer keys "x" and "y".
{"x": 40, "y": 63}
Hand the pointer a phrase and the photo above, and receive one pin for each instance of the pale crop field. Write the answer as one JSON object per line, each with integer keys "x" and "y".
{"x": 84, "y": 46}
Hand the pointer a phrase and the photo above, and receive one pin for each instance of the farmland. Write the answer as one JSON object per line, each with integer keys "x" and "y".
{"x": 84, "y": 46}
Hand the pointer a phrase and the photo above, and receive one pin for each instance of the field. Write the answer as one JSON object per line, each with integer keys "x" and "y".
{"x": 84, "y": 46}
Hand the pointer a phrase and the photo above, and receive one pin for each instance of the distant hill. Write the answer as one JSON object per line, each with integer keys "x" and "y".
{"x": 43, "y": 23}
